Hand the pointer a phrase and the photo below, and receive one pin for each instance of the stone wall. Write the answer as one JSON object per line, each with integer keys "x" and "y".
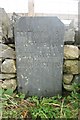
{"x": 7, "y": 53}
{"x": 71, "y": 70}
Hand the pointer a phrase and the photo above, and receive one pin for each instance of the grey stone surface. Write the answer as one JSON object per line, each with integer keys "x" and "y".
{"x": 5, "y": 23}
{"x": 1, "y": 60}
{"x": 3, "y": 47}
{"x": 79, "y": 15}
{"x": 0, "y": 39}
{"x": 39, "y": 51}
{"x": 69, "y": 35}
{"x": 78, "y": 32}
{"x": 0, "y": 33}
{"x": 70, "y": 29}
{"x": 76, "y": 79}
{"x": 0, "y": 64}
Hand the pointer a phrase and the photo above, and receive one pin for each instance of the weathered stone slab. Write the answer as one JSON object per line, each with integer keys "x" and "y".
{"x": 39, "y": 51}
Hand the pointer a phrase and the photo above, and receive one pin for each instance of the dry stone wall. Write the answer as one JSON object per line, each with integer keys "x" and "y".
{"x": 71, "y": 65}
{"x": 7, "y": 54}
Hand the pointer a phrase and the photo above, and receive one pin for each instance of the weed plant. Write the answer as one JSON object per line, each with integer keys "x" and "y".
{"x": 16, "y": 106}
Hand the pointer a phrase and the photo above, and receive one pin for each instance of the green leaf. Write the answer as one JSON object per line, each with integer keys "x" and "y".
{"x": 9, "y": 92}
{"x": 22, "y": 96}
{"x": 1, "y": 92}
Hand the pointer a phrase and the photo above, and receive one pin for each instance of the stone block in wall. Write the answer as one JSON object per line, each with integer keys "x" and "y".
{"x": 69, "y": 35}
{"x": 7, "y": 52}
{"x": 71, "y": 66}
{"x": 7, "y": 76}
{"x": 12, "y": 46}
{"x": 0, "y": 28}
{"x": 1, "y": 84}
{"x": 0, "y": 59}
{"x": 71, "y": 52}
{"x": 0, "y": 34}
{"x": 0, "y": 39}
{"x": 67, "y": 78}
{"x": 3, "y": 47}
{"x": 6, "y": 84}
{"x": 5, "y": 23}
{"x": 79, "y": 66}
{"x": 68, "y": 87}
{"x": 8, "y": 66}
{"x": 70, "y": 31}
{"x": 71, "y": 87}
{"x": 77, "y": 37}
{"x": 0, "y": 64}
{"x": 76, "y": 79}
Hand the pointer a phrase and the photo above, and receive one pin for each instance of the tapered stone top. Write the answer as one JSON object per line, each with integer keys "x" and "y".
{"x": 39, "y": 53}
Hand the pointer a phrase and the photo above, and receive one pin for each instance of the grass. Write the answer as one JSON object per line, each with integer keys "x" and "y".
{"x": 18, "y": 107}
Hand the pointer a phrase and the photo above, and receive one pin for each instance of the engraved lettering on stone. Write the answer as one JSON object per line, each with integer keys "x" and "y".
{"x": 40, "y": 55}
